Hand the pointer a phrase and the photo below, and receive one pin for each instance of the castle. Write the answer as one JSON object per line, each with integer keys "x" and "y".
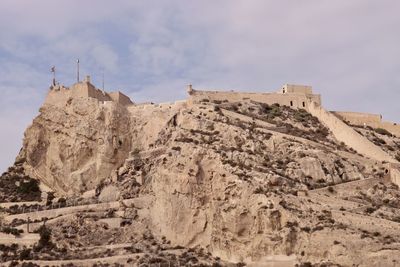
{"x": 60, "y": 94}
{"x": 294, "y": 96}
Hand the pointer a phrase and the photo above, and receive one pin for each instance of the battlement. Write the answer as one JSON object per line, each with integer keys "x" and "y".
{"x": 60, "y": 94}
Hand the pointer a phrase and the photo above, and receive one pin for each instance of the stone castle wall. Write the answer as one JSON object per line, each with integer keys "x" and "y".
{"x": 372, "y": 120}
{"x": 120, "y": 98}
{"x": 394, "y": 173}
{"x": 295, "y": 100}
{"x": 348, "y": 135}
{"x": 358, "y": 118}
{"x": 59, "y": 95}
{"x": 86, "y": 89}
{"x": 393, "y": 128}
{"x": 295, "y": 88}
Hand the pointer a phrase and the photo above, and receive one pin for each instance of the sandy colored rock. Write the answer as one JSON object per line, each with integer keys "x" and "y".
{"x": 214, "y": 180}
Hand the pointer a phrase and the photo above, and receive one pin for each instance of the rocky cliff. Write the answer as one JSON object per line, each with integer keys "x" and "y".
{"x": 74, "y": 147}
{"x": 247, "y": 182}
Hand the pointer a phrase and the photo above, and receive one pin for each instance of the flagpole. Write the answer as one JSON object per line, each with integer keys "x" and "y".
{"x": 53, "y": 70}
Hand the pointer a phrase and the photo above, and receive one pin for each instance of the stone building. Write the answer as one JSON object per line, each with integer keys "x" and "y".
{"x": 59, "y": 95}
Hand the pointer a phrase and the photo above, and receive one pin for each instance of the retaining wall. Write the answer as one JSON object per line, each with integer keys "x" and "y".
{"x": 348, "y": 135}
{"x": 38, "y": 215}
{"x": 24, "y": 239}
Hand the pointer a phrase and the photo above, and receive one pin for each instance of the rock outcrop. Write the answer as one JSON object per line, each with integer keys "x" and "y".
{"x": 247, "y": 182}
{"x": 73, "y": 148}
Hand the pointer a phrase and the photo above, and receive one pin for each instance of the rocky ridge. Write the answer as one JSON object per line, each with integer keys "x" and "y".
{"x": 211, "y": 183}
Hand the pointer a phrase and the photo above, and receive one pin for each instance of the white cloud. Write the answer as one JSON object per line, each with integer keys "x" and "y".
{"x": 150, "y": 49}
{"x": 105, "y": 57}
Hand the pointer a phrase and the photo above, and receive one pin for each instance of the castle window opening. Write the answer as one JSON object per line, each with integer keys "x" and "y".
{"x": 304, "y": 104}
{"x": 291, "y": 103}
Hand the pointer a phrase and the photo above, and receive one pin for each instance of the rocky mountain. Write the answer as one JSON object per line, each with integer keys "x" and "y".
{"x": 197, "y": 183}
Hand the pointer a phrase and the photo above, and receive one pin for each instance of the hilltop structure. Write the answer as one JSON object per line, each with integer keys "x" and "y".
{"x": 293, "y": 96}
{"x": 59, "y": 94}
{"x": 224, "y": 176}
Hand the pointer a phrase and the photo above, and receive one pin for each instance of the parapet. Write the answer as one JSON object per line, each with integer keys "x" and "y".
{"x": 295, "y": 96}
{"x": 58, "y": 95}
{"x": 120, "y": 98}
{"x": 366, "y": 119}
{"x": 295, "y": 89}
{"x": 358, "y": 118}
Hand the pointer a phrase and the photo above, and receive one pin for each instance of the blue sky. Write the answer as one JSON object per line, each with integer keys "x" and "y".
{"x": 347, "y": 50}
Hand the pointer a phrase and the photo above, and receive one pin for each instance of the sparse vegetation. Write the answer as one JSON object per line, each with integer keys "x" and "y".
{"x": 248, "y": 178}
{"x": 12, "y": 231}
{"x": 383, "y": 131}
{"x": 16, "y": 186}
{"x": 45, "y": 239}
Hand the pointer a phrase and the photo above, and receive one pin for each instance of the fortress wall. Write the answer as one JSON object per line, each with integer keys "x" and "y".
{"x": 165, "y": 105}
{"x": 97, "y": 93}
{"x": 85, "y": 89}
{"x": 58, "y": 96}
{"x": 358, "y": 118}
{"x": 394, "y": 170}
{"x": 348, "y": 135}
{"x": 393, "y": 128}
{"x": 120, "y": 98}
{"x": 372, "y": 120}
{"x": 294, "y": 88}
{"x": 291, "y": 100}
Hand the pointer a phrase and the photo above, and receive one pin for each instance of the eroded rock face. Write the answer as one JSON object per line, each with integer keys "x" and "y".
{"x": 243, "y": 181}
{"x": 74, "y": 147}
{"x": 214, "y": 183}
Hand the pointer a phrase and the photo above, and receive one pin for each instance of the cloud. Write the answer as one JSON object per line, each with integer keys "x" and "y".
{"x": 105, "y": 56}
{"x": 348, "y": 50}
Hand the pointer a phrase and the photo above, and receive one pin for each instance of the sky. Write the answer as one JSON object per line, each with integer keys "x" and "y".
{"x": 349, "y": 51}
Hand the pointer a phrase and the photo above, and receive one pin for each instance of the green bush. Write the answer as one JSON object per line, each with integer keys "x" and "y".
{"x": 12, "y": 230}
{"x": 25, "y": 254}
{"x": 31, "y": 186}
{"x": 45, "y": 239}
{"x": 383, "y": 131}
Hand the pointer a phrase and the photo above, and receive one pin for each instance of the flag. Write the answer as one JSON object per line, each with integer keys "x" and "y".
{"x": 53, "y": 69}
